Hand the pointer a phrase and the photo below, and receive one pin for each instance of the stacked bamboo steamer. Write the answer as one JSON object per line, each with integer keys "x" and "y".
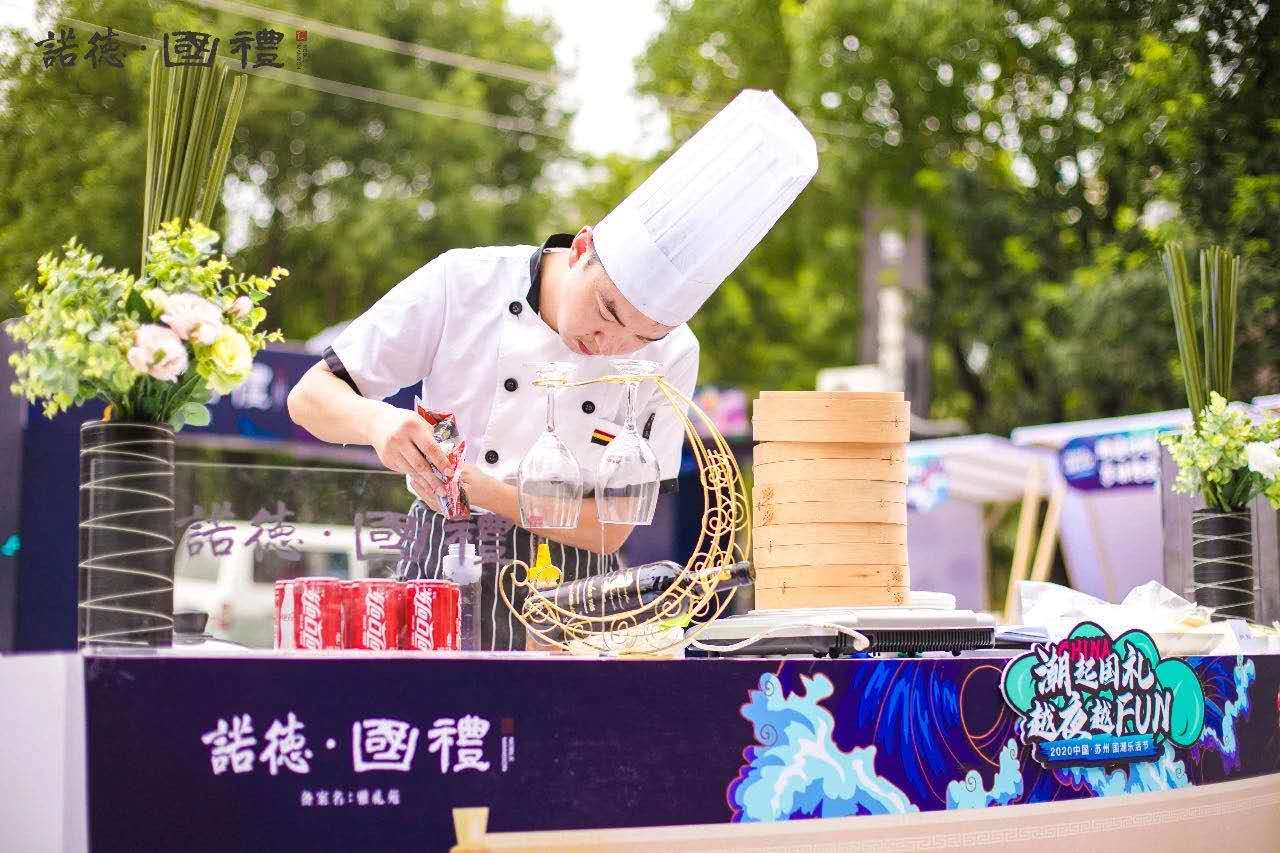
{"x": 829, "y": 527}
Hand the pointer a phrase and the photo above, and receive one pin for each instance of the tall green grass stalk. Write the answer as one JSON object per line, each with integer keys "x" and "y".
{"x": 192, "y": 115}
{"x": 1207, "y": 350}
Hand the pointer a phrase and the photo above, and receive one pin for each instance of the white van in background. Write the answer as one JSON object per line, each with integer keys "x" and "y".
{"x": 237, "y": 588}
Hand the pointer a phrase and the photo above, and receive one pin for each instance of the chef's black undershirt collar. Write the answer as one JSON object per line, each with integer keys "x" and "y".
{"x": 555, "y": 241}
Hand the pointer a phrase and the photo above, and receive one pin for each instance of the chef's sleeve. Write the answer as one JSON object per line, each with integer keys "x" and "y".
{"x": 662, "y": 426}
{"x": 394, "y": 343}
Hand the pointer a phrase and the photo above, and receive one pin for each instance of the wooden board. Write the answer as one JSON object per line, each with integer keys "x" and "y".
{"x": 796, "y": 451}
{"x": 877, "y": 575}
{"x": 804, "y": 470}
{"x": 829, "y": 491}
{"x": 770, "y": 555}
{"x": 768, "y": 513}
{"x": 828, "y": 534}
{"x": 775, "y": 598}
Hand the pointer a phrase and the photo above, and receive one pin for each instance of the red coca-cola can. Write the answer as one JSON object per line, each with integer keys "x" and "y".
{"x": 374, "y": 614}
{"x": 433, "y": 615}
{"x": 318, "y": 604}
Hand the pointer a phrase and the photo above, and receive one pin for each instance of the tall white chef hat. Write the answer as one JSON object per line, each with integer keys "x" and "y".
{"x": 671, "y": 243}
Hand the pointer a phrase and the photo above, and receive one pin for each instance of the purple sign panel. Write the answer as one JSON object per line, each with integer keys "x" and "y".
{"x": 257, "y": 409}
{"x": 349, "y": 753}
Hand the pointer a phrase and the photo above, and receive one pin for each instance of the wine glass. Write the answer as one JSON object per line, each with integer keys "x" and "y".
{"x": 627, "y": 477}
{"x": 550, "y": 480}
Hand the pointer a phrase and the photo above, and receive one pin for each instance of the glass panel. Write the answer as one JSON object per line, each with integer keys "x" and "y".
{"x": 241, "y": 526}
{"x": 198, "y": 567}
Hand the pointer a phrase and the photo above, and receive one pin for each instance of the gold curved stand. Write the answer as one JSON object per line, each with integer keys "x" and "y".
{"x": 725, "y": 539}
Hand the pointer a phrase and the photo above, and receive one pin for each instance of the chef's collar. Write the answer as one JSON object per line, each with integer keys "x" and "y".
{"x": 555, "y": 241}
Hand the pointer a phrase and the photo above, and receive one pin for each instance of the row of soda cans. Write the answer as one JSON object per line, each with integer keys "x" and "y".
{"x": 371, "y": 614}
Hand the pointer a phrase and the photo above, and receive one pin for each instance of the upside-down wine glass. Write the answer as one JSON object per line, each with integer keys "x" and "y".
{"x": 550, "y": 479}
{"x": 628, "y": 477}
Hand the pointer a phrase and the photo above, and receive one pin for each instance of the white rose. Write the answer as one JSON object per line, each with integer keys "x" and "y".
{"x": 192, "y": 317}
{"x": 241, "y": 307}
{"x": 158, "y": 352}
{"x": 1263, "y": 458}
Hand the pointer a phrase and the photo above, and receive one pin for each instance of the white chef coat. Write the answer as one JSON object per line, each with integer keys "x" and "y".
{"x": 463, "y": 325}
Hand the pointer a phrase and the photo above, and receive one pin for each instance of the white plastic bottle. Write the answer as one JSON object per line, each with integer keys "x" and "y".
{"x": 463, "y": 568}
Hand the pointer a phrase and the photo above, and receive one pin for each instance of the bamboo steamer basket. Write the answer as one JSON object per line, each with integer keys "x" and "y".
{"x": 875, "y": 423}
{"x": 831, "y": 417}
{"x": 829, "y": 499}
{"x": 828, "y": 554}
{"x": 831, "y": 395}
{"x": 803, "y": 451}
{"x": 865, "y": 576}
{"x": 866, "y": 511}
{"x": 829, "y": 534}
{"x": 829, "y": 491}
{"x": 786, "y": 596}
{"x": 850, "y": 470}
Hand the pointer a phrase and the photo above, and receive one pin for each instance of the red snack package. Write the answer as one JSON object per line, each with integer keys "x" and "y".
{"x": 444, "y": 429}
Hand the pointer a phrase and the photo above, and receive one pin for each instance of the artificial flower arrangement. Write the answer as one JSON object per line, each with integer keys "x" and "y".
{"x": 154, "y": 348}
{"x": 1227, "y": 457}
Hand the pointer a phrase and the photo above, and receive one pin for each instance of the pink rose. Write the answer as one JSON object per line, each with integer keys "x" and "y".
{"x": 192, "y": 317}
{"x": 158, "y": 352}
{"x": 241, "y": 307}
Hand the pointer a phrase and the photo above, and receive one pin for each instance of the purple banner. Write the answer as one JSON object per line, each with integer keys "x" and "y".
{"x": 349, "y": 753}
{"x": 257, "y": 409}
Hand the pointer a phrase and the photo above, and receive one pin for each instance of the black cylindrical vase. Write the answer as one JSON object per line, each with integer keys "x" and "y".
{"x": 1222, "y": 562}
{"x": 126, "y": 534}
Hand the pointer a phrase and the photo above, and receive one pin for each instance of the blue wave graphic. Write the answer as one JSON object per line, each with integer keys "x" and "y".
{"x": 797, "y": 770}
{"x": 1006, "y": 786}
{"x": 1222, "y": 712}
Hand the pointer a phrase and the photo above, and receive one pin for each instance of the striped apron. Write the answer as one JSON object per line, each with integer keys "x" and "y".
{"x": 498, "y": 542}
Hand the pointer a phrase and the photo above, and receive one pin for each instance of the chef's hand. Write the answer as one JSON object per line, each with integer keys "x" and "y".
{"x": 404, "y": 443}
{"x": 478, "y": 486}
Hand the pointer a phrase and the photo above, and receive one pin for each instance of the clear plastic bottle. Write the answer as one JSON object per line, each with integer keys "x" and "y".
{"x": 462, "y": 566}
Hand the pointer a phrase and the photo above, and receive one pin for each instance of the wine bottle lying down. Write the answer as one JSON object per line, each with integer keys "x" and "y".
{"x": 627, "y": 589}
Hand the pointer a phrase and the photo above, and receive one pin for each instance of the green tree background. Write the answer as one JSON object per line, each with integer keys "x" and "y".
{"x": 351, "y": 196}
{"x": 1050, "y": 147}
{"x": 1042, "y": 141}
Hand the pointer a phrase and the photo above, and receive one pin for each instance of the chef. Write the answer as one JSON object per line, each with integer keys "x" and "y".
{"x": 471, "y": 325}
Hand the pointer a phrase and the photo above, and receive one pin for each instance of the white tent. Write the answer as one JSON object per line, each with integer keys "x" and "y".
{"x": 961, "y": 489}
{"x": 1111, "y": 532}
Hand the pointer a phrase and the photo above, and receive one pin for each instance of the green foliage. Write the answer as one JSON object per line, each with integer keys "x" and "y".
{"x": 75, "y": 333}
{"x": 153, "y": 348}
{"x": 1226, "y": 458}
{"x": 1039, "y": 140}
{"x": 355, "y": 194}
{"x": 1052, "y": 149}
